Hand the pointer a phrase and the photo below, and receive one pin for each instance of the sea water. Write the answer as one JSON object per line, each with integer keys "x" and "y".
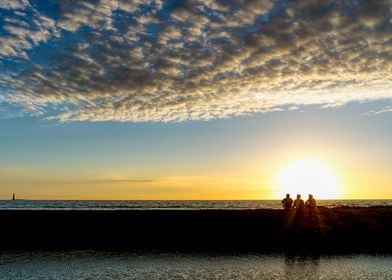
{"x": 169, "y": 204}
{"x": 127, "y": 265}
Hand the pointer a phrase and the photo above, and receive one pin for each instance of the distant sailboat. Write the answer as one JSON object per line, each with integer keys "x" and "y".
{"x": 13, "y": 196}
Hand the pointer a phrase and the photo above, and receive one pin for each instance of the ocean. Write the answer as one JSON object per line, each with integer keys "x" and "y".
{"x": 128, "y": 265}
{"x": 170, "y": 204}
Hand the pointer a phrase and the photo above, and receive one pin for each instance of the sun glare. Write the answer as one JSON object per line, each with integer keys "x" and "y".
{"x": 308, "y": 176}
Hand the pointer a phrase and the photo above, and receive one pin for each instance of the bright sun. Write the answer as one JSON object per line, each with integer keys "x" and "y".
{"x": 308, "y": 176}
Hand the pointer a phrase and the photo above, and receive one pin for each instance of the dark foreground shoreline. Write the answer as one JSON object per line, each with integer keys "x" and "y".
{"x": 335, "y": 230}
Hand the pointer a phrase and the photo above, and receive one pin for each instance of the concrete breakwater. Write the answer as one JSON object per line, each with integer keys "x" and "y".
{"x": 341, "y": 229}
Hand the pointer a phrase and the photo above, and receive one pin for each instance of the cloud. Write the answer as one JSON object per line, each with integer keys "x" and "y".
{"x": 13, "y": 4}
{"x": 386, "y": 109}
{"x": 120, "y": 181}
{"x": 97, "y": 14}
{"x": 197, "y": 60}
{"x": 23, "y": 28}
{"x": 35, "y": 176}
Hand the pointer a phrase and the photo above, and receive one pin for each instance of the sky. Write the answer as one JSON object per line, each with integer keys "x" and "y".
{"x": 202, "y": 99}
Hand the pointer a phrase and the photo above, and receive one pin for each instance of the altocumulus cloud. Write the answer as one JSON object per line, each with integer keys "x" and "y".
{"x": 158, "y": 60}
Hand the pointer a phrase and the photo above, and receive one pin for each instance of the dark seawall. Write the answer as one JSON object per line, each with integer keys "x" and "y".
{"x": 343, "y": 229}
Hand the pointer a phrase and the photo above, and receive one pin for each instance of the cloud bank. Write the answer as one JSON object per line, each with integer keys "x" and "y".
{"x": 153, "y": 60}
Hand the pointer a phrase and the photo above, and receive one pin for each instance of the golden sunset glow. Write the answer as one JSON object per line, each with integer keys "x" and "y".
{"x": 308, "y": 176}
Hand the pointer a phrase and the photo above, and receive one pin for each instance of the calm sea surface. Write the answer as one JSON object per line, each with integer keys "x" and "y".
{"x": 170, "y": 204}
{"x": 115, "y": 265}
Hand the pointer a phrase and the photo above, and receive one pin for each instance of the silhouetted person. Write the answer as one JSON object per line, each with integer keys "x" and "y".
{"x": 287, "y": 202}
{"x": 299, "y": 203}
{"x": 310, "y": 204}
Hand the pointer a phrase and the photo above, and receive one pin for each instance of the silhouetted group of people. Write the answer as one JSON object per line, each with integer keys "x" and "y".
{"x": 299, "y": 204}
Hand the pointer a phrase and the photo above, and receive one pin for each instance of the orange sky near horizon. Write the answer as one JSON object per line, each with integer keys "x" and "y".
{"x": 252, "y": 183}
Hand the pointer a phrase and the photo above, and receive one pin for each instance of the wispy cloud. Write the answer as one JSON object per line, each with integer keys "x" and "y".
{"x": 197, "y": 60}
{"x": 120, "y": 181}
{"x": 386, "y": 109}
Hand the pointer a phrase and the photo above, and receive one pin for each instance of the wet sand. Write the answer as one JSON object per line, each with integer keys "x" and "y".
{"x": 336, "y": 230}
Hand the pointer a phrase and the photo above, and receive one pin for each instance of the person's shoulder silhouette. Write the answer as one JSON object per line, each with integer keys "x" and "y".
{"x": 310, "y": 203}
{"x": 299, "y": 203}
{"x": 287, "y": 202}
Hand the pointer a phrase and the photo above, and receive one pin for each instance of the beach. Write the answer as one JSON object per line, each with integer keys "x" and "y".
{"x": 336, "y": 230}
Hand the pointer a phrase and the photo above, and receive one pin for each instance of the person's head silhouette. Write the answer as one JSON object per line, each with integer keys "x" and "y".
{"x": 310, "y": 196}
{"x": 287, "y": 195}
{"x": 298, "y": 196}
